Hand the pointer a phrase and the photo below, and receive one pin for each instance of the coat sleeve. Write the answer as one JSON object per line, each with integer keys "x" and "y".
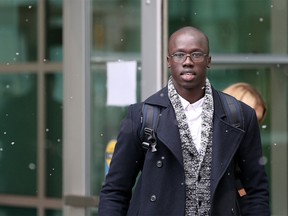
{"x": 253, "y": 176}
{"x": 125, "y": 165}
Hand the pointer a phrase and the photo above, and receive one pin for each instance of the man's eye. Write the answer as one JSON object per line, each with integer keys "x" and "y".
{"x": 196, "y": 55}
{"x": 179, "y": 55}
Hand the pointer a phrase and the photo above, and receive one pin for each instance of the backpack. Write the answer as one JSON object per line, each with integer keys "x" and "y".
{"x": 150, "y": 117}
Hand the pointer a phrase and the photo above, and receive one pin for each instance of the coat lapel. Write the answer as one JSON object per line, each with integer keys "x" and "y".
{"x": 226, "y": 140}
{"x": 167, "y": 130}
{"x": 168, "y": 133}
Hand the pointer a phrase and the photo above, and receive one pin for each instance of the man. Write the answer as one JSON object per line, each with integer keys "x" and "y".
{"x": 193, "y": 170}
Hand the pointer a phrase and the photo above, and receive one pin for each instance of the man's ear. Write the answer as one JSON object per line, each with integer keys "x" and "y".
{"x": 208, "y": 62}
{"x": 168, "y": 64}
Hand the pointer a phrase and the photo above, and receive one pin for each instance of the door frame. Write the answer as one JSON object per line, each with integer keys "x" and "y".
{"x": 76, "y": 87}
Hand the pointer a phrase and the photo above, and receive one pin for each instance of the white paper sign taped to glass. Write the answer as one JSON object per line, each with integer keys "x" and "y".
{"x": 121, "y": 83}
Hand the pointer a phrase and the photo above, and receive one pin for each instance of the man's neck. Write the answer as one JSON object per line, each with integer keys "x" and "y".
{"x": 192, "y": 95}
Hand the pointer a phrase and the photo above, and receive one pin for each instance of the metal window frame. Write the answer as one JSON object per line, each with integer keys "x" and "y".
{"x": 40, "y": 202}
{"x": 151, "y": 47}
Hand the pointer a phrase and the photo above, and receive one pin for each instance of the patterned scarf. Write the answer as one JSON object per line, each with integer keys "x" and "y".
{"x": 197, "y": 165}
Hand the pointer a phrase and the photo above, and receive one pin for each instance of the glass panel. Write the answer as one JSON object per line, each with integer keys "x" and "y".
{"x": 54, "y": 25}
{"x": 53, "y": 213}
{"x": 13, "y": 211}
{"x": 115, "y": 37}
{"x": 232, "y": 26}
{"x": 54, "y": 111}
{"x": 18, "y": 31}
{"x": 18, "y": 131}
{"x": 105, "y": 124}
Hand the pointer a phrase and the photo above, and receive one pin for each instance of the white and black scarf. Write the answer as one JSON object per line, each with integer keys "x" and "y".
{"x": 197, "y": 165}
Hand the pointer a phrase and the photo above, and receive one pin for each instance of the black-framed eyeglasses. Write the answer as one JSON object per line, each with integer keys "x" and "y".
{"x": 180, "y": 57}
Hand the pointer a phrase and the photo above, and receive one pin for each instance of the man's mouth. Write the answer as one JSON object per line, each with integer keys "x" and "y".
{"x": 188, "y": 76}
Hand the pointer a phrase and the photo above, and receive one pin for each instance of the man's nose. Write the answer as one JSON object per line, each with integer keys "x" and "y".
{"x": 188, "y": 59}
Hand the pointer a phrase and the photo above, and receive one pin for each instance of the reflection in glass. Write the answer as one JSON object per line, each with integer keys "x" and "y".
{"x": 53, "y": 213}
{"x": 12, "y": 211}
{"x": 18, "y": 134}
{"x": 54, "y": 25}
{"x": 232, "y": 26}
{"x": 53, "y": 139}
{"x": 18, "y": 31}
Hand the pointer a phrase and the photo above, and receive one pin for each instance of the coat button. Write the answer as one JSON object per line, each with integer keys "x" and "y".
{"x": 159, "y": 164}
{"x": 153, "y": 198}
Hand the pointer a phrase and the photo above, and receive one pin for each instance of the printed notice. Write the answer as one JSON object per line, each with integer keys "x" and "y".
{"x": 121, "y": 83}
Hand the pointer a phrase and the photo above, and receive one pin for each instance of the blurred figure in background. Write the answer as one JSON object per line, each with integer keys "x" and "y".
{"x": 249, "y": 95}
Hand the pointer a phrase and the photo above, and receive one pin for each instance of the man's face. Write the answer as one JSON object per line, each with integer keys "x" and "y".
{"x": 188, "y": 75}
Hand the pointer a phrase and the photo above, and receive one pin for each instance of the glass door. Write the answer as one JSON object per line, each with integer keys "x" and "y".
{"x": 112, "y": 56}
{"x": 115, "y": 77}
{"x": 126, "y": 63}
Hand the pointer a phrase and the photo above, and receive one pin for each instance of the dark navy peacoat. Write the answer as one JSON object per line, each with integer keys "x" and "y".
{"x": 159, "y": 176}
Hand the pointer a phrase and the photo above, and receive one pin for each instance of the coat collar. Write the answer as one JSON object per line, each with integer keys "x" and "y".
{"x": 160, "y": 98}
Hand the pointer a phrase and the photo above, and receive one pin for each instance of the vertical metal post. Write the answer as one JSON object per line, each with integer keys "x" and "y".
{"x": 76, "y": 160}
{"x": 41, "y": 156}
{"x": 165, "y": 38}
{"x": 279, "y": 124}
{"x": 151, "y": 47}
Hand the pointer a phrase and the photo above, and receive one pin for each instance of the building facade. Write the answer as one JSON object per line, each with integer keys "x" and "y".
{"x": 58, "y": 108}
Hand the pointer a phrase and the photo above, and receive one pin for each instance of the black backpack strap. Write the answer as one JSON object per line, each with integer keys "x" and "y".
{"x": 234, "y": 115}
{"x": 233, "y": 110}
{"x": 150, "y": 117}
